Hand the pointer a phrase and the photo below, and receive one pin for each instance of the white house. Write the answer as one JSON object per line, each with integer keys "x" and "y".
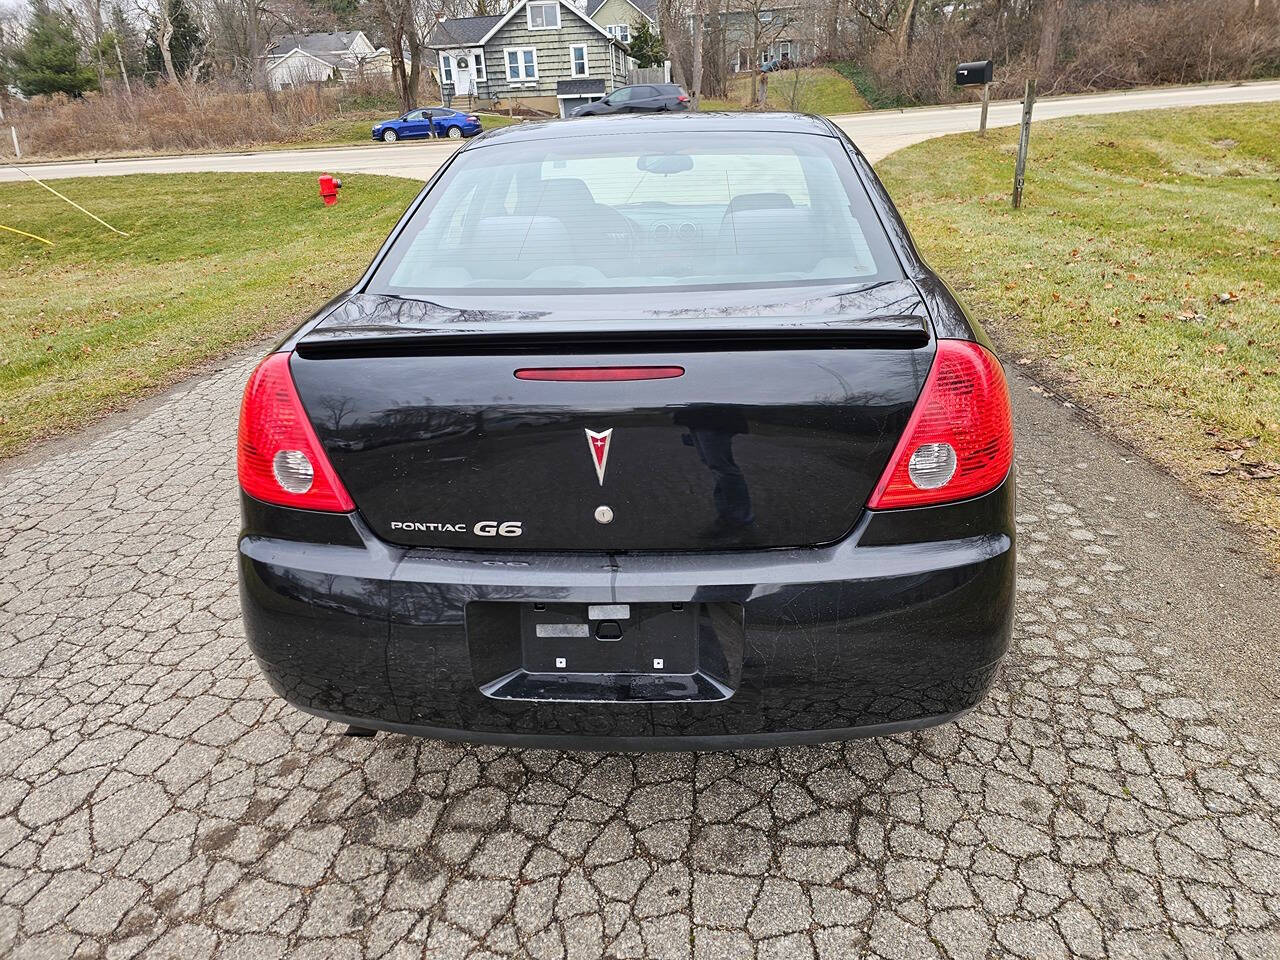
{"x": 300, "y": 58}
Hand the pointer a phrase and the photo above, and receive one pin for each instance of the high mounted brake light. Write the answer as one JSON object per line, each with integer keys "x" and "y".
{"x": 598, "y": 374}
{"x": 959, "y": 441}
{"x": 280, "y": 458}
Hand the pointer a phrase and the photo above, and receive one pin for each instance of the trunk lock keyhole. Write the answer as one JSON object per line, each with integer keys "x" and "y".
{"x": 604, "y": 514}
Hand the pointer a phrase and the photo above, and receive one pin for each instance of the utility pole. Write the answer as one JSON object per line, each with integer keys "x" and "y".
{"x": 1024, "y": 138}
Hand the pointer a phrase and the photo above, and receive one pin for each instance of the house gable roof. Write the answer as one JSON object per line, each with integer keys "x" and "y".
{"x": 647, "y": 7}
{"x": 451, "y": 33}
{"x": 317, "y": 43}
{"x": 462, "y": 31}
{"x": 278, "y": 59}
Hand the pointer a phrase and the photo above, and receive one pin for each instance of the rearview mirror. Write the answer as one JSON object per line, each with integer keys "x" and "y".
{"x": 665, "y": 164}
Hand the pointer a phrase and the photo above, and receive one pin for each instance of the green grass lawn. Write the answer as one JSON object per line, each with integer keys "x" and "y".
{"x": 806, "y": 89}
{"x": 875, "y": 97}
{"x": 1142, "y": 276}
{"x": 213, "y": 263}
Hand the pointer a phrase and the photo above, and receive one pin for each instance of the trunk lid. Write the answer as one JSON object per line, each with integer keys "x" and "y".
{"x": 773, "y": 435}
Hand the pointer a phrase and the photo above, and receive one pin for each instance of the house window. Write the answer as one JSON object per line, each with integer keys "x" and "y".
{"x": 622, "y": 31}
{"x": 522, "y": 63}
{"x": 784, "y": 50}
{"x": 477, "y": 58}
{"x": 543, "y": 16}
{"x": 446, "y": 68}
{"x": 766, "y": 16}
{"x": 578, "y": 61}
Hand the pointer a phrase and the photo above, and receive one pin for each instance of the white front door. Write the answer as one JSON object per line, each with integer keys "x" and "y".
{"x": 464, "y": 84}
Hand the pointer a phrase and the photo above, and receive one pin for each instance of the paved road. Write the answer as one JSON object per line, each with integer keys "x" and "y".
{"x": 1112, "y": 798}
{"x": 877, "y": 133}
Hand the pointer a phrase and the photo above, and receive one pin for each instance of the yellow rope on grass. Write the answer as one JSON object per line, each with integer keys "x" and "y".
{"x": 62, "y": 196}
{"x": 24, "y": 233}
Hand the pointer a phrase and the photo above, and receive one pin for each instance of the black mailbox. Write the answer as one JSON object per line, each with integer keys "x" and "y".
{"x": 973, "y": 74}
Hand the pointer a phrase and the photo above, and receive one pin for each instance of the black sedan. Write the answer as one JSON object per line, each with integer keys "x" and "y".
{"x": 637, "y": 433}
{"x": 638, "y": 98}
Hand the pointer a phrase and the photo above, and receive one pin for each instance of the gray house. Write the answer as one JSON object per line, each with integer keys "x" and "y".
{"x": 620, "y": 17}
{"x": 547, "y": 55}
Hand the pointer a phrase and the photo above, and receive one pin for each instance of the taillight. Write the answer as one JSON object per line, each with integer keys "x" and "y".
{"x": 280, "y": 458}
{"x": 473, "y": 119}
{"x": 959, "y": 440}
{"x": 682, "y": 98}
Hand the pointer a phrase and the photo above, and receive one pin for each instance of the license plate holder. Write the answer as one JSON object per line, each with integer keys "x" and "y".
{"x": 637, "y": 638}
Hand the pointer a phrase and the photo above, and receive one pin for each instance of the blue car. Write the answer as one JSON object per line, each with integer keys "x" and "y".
{"x": 417, "y": 123}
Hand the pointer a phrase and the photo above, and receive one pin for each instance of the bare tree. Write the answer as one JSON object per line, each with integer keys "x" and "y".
{"x": 1051, "y": 15}
{"x": 257, "y": 62}
{"x": 164, "y": 36}
{"x": 699, "y": 26}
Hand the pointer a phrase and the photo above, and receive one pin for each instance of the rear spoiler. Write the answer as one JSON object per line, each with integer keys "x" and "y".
{"x": 534, "y": 336}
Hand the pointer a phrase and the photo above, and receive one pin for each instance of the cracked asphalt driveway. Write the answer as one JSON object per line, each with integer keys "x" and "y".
{"x": 1116, "y": 796}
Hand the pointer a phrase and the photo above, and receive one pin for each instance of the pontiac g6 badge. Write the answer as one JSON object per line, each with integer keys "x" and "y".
{"x": 599, "y": 443}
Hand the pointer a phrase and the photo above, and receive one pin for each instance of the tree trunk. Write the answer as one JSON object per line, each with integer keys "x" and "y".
{"x": 393, "y": 23}
{"x": 95, "y": 10}
{"x": 697, "y": 53}
{"x": 1050, "y": 35}
{"x": 166, "y": 35}
{"x": 832, "y": 33}
{"x": 257, "y": 63}
{"x": 415, "y": 70}
{"x": 906, "y": 27}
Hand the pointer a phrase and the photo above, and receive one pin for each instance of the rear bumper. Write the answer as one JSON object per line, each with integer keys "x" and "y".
{"x": 900, "y": 626}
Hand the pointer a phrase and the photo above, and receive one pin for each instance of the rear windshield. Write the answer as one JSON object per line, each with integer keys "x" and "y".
{"x": 620, "y": 212}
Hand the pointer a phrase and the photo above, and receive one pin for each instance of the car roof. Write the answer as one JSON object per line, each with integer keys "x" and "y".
{"x": 689, "y": 122}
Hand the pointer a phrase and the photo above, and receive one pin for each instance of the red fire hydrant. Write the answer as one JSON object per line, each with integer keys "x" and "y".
{"x": 329, "y": 187}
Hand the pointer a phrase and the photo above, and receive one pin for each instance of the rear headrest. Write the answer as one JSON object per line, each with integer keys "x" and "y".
{"x": 787, "y": 233}
{"x": 565, "y": 193}
{"x": 758, "y": 201}
{"x": 522, "y": 238}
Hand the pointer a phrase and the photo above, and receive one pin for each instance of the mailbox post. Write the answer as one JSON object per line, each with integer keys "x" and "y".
{"x": 971, "y": 75}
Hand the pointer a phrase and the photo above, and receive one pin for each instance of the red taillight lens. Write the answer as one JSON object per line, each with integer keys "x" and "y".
{"x": 589, "y": 374}
{"x": 473, "y": 119}
{"x": 280, "y": 458}
{"x": 682, "y": 98}
{"x": 959, "y": 440}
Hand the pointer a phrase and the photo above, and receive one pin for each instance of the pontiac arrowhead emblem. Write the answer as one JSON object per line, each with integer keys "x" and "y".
{"x": 599, "y": 443}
